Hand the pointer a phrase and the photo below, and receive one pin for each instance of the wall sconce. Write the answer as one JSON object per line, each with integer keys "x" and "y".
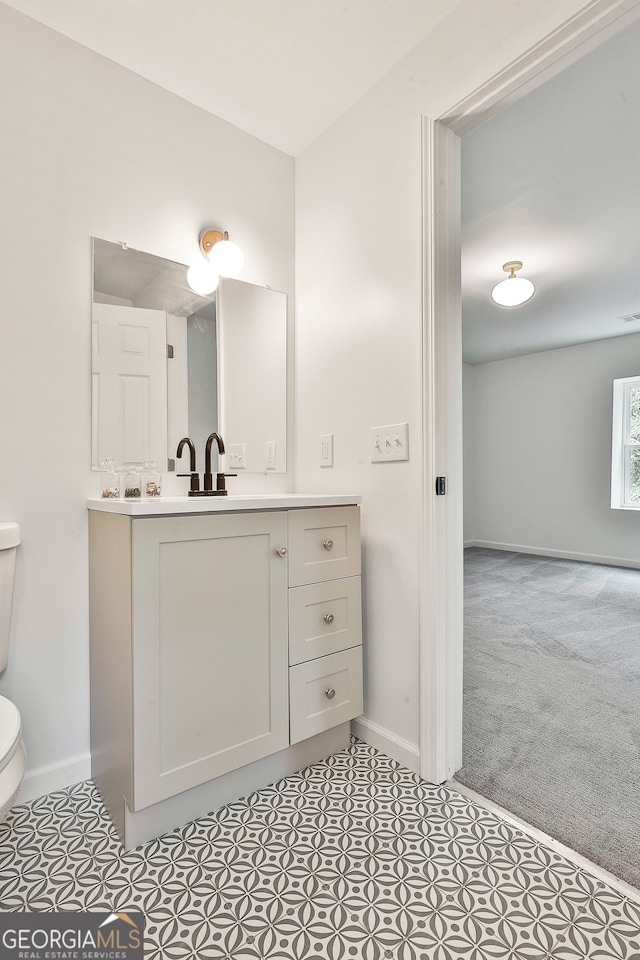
{"x": 514, "y": 290}
{"x": 221, "y": 258}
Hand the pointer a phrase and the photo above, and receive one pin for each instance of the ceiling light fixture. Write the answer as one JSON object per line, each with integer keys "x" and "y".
{"x": 222, "y": 258}
{"x": 514, "y": 290}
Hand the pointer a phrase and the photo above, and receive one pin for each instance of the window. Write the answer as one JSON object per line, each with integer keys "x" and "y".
{"x": 625, "y": 459}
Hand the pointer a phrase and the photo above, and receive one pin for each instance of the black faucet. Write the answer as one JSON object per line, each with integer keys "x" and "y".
{"x": 208, "y": 476}
{"x": 194, "y": 487}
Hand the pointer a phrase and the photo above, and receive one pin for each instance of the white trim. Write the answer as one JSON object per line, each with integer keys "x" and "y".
{"x": 56, "y": 776}
{"x": 623, "y": 888}
{"x": 577, "y": 36}
{"x": 441, "y": 535}
{"x": 559, "y": 554}
{"x": 441, "y": 522}
{"x": 406, "y": 753}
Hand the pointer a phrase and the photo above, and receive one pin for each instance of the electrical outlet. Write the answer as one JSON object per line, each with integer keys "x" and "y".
{"x": 271, "y": 454}
{"x": 326, "y": 450}
{"x": 235, "y": 452}
{"x": 389, "y": 443}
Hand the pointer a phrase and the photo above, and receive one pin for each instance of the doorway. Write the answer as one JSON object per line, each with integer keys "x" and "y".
{"x": 442, "y": 554}
{"x": 550, "y": 727}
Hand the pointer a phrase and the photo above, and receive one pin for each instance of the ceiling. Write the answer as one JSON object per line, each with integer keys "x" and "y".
{"x": 553, "y": 181}
{"x": 282, "y": 70}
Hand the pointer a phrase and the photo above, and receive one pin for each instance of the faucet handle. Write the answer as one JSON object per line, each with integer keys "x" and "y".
{"x": 220, "y": 478}
{"x": 194, "y": 486}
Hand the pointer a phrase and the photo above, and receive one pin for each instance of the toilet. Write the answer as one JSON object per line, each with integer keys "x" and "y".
{"x": 13, "y": 759}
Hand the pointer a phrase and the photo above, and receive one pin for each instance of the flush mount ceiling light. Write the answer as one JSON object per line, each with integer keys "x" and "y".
{"x": 221, "y": 258}
{"x": 514, "y": 290}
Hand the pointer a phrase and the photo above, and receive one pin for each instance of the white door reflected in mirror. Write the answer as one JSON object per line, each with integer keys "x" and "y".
{"x": 129, "y": 384}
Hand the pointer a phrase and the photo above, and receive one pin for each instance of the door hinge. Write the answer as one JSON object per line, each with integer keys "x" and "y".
{"x": 441, "y": 486}
{"x": 169, "y": 351}
{"x": 171, "y": 464}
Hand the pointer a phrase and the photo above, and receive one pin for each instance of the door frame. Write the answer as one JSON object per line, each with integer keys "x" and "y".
{"x": 441, "y": 539}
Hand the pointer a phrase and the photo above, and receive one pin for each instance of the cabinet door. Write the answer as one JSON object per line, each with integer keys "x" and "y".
{"x": 324, "y": 544}
{"x": 209, "y": 648}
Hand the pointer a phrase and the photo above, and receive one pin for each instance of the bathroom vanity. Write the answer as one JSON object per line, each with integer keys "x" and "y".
{"x": 226, "y": 648}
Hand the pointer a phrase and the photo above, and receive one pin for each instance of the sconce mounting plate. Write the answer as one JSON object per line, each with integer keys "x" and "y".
{"x": 208, "y": 240}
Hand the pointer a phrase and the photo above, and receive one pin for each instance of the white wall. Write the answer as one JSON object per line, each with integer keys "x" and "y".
{"x": 91, "y": 149}
{"x": 468, "y": 440}
{"x": 543, "y": 452}
{"x": 358, "y": 337}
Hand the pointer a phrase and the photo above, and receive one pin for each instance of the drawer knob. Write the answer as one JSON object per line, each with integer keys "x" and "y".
{"x": 281, "y": 551}
{"x": 329, "y": 693}
{"x": 328, "y": 544}
{"x": 328, "y": 618}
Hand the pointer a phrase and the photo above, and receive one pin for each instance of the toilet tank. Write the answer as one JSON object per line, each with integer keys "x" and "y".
{"x": 9, "y": 540}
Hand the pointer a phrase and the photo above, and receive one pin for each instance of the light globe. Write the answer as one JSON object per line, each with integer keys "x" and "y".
{"x": 226, "y": 258}
{"x": 202, "y": 278}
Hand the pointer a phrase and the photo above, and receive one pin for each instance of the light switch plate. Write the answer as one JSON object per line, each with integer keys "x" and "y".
{"x": 235, "y": 452}
{"x": 389, "y": 443}
{"x": 326, "y": 450}
{"x": 271, "y": 454}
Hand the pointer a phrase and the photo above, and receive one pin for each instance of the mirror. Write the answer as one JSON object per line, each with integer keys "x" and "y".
{"x": 167, "y": 363}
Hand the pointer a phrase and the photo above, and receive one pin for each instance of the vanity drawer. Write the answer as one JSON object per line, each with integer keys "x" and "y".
{"x": 324, "y": 544}
{"x": 324, "y": 618}
{"x": 324, "y": 693}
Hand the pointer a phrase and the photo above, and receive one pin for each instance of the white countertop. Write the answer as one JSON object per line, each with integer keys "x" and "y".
{"x": 164, "y": 506}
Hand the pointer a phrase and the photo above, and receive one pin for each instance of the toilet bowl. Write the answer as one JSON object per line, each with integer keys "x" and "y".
{"x": 13, "y": 758}
{"x": 12, "y": 753}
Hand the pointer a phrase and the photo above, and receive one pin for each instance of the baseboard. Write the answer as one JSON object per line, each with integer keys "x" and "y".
{"x": 408, "y": 754}
{"x": 57, "y": 776}
{"x": 559, "y": 554}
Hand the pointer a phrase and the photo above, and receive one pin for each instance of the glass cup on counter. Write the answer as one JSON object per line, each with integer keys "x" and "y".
{"x": 151, "y": 480}
{"x": 109, "y": 480}
{"x": 132, "y": 484}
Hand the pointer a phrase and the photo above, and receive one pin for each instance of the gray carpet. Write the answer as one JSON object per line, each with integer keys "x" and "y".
{"x": 552, "y": 699}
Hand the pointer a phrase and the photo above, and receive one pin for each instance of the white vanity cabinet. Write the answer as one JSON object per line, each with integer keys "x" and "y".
{"x": 219, "y": 641}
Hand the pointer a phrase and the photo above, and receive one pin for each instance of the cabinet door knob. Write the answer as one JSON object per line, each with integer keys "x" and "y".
{"x": 281, "y": 551}
{"x": 328, "y": 544}
{"x": 329, "y": 693}
{"x": 328, "y": 618}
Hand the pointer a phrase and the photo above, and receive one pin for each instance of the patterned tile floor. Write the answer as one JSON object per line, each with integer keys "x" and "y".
{"x": 354, "y": 857}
